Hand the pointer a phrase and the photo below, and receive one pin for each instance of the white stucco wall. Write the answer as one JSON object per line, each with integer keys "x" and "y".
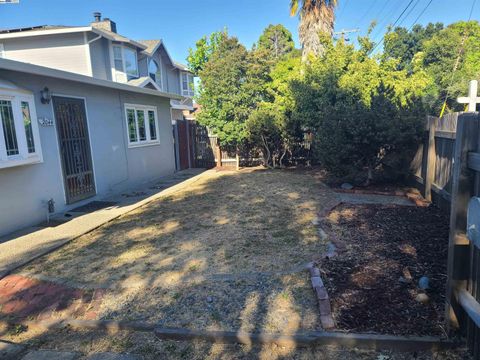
{"x": 23, "y": 190}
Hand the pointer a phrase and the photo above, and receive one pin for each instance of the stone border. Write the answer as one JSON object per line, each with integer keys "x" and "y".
{"x": 304, "y": 338}
{"x": 415, "y": 198}
{"x": 322, "y": 296}
{"x": 399, "y": 193}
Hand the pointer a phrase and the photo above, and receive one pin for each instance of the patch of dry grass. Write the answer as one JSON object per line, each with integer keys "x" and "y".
{"x": 215, "y": 255}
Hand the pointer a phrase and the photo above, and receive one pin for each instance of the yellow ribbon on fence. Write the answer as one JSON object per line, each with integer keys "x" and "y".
{"x": 443, "y": 109}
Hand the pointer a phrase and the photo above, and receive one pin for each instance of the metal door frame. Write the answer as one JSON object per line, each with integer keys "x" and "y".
{"x": 89, "y": 149}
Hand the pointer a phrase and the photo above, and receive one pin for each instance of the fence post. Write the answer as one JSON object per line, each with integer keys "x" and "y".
{"x": 219, "y": 155}
{"x": 462, "y": 191}
{"x": 431, "y": 159}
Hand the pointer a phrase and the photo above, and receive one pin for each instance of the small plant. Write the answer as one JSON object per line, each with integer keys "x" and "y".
{"x": 285, "y": 295}
{"x": 171, "y": 347}
{"x": 194, "y": 267}
{"x": 17, "y": 329}
{"x": 216, "y": 316}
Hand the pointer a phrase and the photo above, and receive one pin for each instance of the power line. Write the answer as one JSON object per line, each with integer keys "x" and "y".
{"x": 471, "y": 10}
{"x": 420, "y": 15}
{"x": 366, "y": 13}
{"x": 381, "y": 25}
{"x": 342, "y": 10}
{"x": 383, "y": 8}
{"x": 409, "y": 12}
{"x": 395, "y": 23}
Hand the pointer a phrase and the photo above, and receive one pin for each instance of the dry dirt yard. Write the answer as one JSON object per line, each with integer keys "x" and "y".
{"x": 225, "y": 253}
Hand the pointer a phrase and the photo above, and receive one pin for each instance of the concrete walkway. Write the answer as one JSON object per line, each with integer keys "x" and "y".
{"x": 18, "y": 249}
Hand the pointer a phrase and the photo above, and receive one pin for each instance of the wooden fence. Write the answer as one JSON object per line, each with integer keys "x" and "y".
{"x": 447, "y": 165}
{"x": 433, "y": 164}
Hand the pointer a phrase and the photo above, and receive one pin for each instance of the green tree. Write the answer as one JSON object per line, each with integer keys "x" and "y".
{"x": 277, "y": 40}
{"x": 316, "y": 17}
{"x": 366, "y": 114}
{"x": 225, "y": 107}
{"x": 403, "y": 44}
{"x": 439, "y": 56}
{"x": 204, "y": 48}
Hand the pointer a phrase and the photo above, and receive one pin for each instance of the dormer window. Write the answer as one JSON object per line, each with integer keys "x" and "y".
{"x": 125, "y": 62}
{"x": 155, "y": 72}
{"x": 187, "y": 84}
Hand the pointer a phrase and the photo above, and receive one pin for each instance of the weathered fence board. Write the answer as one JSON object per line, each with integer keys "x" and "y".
{"x": 447, "y": 164}
{"x": 463, "y": 267}
{"x": 433, "y": 163}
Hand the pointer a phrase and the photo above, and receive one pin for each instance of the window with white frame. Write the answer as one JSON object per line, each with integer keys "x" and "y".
{"x": 142, "y": 125}
{"x": 125, "y": 63}
{"x": 155, "y": 72}
{"x": 19, "y": 134}
{"x": 187, "y": 84}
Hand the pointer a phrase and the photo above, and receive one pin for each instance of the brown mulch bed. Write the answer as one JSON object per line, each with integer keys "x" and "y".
{"x": 381, "y": 245}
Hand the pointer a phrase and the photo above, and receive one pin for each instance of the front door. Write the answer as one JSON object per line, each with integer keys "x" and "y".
{"x": 72, "y": 130}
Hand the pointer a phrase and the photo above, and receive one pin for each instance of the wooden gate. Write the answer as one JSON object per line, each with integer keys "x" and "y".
{"x": 183, "y": 144}
{"x": 463, "y": 286}
{"x": 72, "y": 131}
{"x": 204, "y": 149}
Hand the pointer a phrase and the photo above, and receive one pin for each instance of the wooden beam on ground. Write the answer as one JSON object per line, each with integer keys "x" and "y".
{"x": 364, "y": 341}
{"x": 307, "y": 338}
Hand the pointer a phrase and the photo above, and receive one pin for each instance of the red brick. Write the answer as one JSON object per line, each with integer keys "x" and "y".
{"x": 13, "y": 306}
{"x": 24, "y": 283}
{"x": 91, "y": 315}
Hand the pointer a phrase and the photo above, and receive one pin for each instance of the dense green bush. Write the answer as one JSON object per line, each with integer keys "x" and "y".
{"x": 367, "y": 114}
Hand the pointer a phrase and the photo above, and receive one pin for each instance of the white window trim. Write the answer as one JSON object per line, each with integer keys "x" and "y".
{"x": 124, "y": 74}
{"x": 148, "y": 142}
{"x": 23, "y": 157}
{"x": 189, "y": 92}
{"x": 159, "y": 64}
{"x": 2, "y": 51}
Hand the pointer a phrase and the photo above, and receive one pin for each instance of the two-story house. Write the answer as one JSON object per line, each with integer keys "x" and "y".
{"x": 84, "y": 111}
{"x": 99, "y": 51}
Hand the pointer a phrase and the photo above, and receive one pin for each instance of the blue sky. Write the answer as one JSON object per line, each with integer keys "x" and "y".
{"x": 181, "y": 23}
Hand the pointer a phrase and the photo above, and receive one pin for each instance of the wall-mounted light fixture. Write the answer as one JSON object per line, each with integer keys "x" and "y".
{"x": 46, "y": 96}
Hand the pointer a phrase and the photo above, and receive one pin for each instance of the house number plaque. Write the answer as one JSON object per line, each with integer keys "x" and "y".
{"x": 45, "y": 121}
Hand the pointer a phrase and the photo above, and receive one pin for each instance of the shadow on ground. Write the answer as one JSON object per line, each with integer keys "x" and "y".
{"x": 224, "y": 254}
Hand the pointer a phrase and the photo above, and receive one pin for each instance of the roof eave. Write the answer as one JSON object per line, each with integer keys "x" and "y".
{"x": 6, "y": 64}
{"x": 44, "y": 32}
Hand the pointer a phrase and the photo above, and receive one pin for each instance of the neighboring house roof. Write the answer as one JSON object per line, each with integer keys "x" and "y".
{"x": 181, "y": 66}
{"x": 117, "y": 37}
{"x": 32, "y": 28}
{"x": 144, "y": 81}
{"x": 153, "y": 45}
{"x": 52, "y": 30}
{"x": 12, "y": 65}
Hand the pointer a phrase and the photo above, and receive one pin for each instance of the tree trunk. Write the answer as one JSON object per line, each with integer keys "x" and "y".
{"x": 312, "y": 24}
{"x": 267, "y": 159}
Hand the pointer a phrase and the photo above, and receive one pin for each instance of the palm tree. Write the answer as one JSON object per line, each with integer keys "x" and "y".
{"x": 316, "y": 16}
